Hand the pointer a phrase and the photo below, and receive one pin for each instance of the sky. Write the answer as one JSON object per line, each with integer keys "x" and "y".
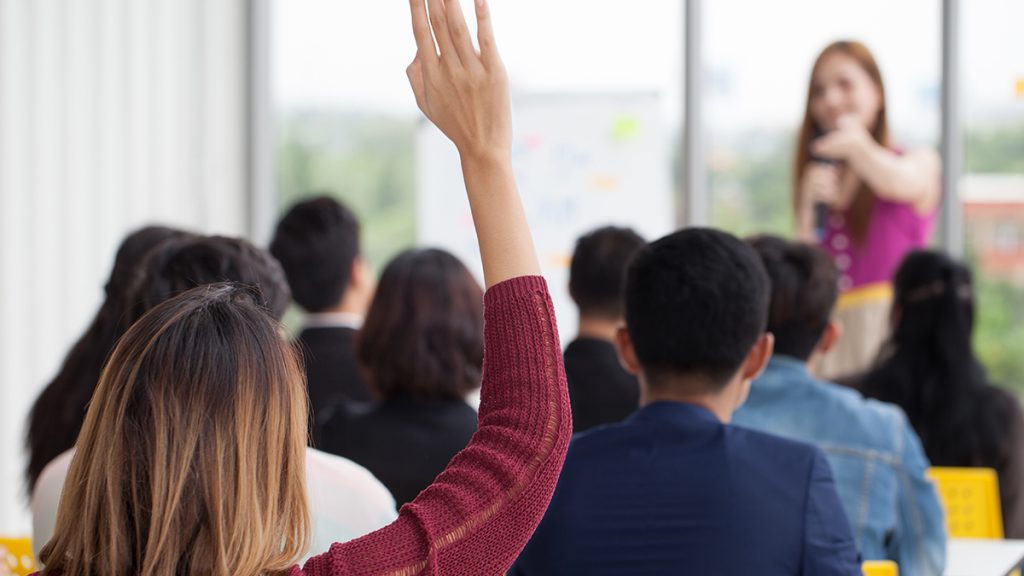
{"x": 757, "y": 54}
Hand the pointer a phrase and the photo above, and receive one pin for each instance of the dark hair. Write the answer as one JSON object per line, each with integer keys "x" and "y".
{"x": 316, "y": 242}
{"x": 928, "y": 367}
{"x": 423, "y": 335}
{"x": 804, "y": 290}
{"x": 181, "y": 266}
{"x": 58, "y": 413}
{"x": 696, "y": 303}
{"x": 598, "y": 270}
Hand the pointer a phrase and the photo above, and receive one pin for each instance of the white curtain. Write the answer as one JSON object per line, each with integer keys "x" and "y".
{"x": 113, "y": 114}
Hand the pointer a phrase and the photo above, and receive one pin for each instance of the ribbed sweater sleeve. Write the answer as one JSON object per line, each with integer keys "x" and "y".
{"x": 480, "y": 512}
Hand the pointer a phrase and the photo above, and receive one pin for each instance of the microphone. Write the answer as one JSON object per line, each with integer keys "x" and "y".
{"x": 821, "y": 209}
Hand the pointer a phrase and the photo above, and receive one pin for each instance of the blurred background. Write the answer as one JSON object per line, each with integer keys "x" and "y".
{"x": 214, "y": 115}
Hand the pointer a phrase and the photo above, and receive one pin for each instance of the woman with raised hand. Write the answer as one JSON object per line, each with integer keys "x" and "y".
{"x": 190, "y": 459}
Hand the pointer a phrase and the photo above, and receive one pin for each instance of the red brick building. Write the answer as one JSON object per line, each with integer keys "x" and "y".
{"x": 994, "y": 222}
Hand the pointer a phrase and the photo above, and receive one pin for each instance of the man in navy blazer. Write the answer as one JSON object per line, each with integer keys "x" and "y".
{"x": 675, "y": 489}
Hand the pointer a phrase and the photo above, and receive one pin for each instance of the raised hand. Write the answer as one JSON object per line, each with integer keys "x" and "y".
{"x": 462, "y": 91}
{"x": 465, "y": 94}
{"x": 849, "y": 139}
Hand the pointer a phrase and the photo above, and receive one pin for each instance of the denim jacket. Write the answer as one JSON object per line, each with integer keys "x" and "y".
{"x": 876, "y": 458}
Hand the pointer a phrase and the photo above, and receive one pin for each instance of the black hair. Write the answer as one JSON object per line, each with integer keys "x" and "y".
{"x": 59, "y": 411}
{"x": 598, "y": 270}
{"x": 804, "y": 290}
{"x": 181, "y": 266}
{"x": 929, "y": 369}
{"x": 316, "y": 243}
{"x": 696, "y": 303}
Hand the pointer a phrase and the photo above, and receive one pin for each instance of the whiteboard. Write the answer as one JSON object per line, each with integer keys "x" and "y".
{"x": 581, "y": 161}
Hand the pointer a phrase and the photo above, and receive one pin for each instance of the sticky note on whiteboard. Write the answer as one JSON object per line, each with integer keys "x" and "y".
{"x": 625, "y": 128}
{"x": 1019, "y": 88}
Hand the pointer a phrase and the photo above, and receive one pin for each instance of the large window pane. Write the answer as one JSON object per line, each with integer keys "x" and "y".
{"x": 759, "y": 57}
{"x": 993, "y": 186}
{"x": 347, "y": 123}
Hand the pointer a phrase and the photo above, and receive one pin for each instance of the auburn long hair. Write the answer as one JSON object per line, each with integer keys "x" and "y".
{"x": 864, "y": 200}
{"x": 191, "y": 458}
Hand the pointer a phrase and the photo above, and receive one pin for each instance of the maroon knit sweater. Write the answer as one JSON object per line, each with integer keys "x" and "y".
{"x": 479, "y": 513}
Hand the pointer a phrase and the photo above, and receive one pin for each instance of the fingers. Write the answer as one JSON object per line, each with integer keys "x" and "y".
{"x": 485, "y": 32}
{"x": 460, "y": 33}
{"x": 439, "y": 23}
{"x": 426, "y": 54}
{"x": 415, "y": 74}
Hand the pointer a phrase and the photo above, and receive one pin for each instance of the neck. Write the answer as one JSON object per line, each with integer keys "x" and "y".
{"x": 350, "y": 303}
{"x": 598, "y": 328}
{"x": 721, "y": 403}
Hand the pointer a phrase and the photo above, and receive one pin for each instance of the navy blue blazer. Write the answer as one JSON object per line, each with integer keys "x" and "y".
{"x": 672, "y": 490}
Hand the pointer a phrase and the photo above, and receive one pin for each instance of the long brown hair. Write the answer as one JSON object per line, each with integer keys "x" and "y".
{"x": 864, "y": 200}
{"x": 191, "y": 458}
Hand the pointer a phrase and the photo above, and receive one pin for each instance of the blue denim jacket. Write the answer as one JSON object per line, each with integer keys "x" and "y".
{"x": 876, "y": 458}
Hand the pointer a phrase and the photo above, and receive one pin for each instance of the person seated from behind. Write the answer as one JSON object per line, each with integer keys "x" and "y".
{"x": 600, "y": 389}
{"x": 59, "y": 410}
{"x": 422, "y": 349}
{"x": 928, "y": 367}
{"x": 877, "y": 460}
{"x": 676, "y": 489}
{"x": 346, "y": 500}
{"x": 317, "y": 244}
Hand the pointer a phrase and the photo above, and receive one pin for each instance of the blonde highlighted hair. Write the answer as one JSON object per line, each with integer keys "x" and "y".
{"x": 192, "y": 456}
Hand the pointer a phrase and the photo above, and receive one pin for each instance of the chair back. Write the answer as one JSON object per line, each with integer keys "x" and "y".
{"x": 970, "y": 497}
{"x": 880, "y": 568}
{"x": 16, "y": 557}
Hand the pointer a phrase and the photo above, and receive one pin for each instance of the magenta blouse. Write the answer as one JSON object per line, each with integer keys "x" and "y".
{"x": 893, "y": 230}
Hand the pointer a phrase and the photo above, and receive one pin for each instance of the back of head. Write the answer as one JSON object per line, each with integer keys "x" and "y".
{"x": 423, "y": 335}
{"x": 181, "y": 266}
{"x": 928, "y": 366}
{"x": 804, "y": 290}
{"x": 598, "y": 270}
{"x": 191, "y": 459}
{"x": 317, "y": 242}
{"x": 696, "y": 303}
{"x": 57, "y": 415}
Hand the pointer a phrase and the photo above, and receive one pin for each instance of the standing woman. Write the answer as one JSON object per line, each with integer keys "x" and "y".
{"x": 867, "y": 202}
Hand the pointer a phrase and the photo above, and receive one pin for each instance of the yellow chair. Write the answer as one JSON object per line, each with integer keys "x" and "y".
{"x": 881, "y": 568}
{"x": 16, "y": 556}
{"x": 971, "y": 499}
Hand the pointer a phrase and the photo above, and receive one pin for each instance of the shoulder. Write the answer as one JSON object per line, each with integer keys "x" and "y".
{"x": 331, "y": 472}
{"x": 51, "y": 480}
{"x": 867, "y": 421}
{"x": 766, "y": 456}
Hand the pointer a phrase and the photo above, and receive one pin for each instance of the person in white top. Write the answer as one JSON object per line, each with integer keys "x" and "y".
{"x": 345, "y": 500}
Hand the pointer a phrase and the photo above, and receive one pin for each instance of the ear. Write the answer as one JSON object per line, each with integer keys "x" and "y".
{"x": 758, "y": 357}
{"x": 833, "y": 332}
{"x": 627, "y": 353}
{"x": 360, "y": 273}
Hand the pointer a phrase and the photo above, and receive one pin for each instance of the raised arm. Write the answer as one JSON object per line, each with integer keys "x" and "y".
{"x": 465, "y": 94}
{"x": 912, "y": 178}
{"x": 480, "y": 512}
